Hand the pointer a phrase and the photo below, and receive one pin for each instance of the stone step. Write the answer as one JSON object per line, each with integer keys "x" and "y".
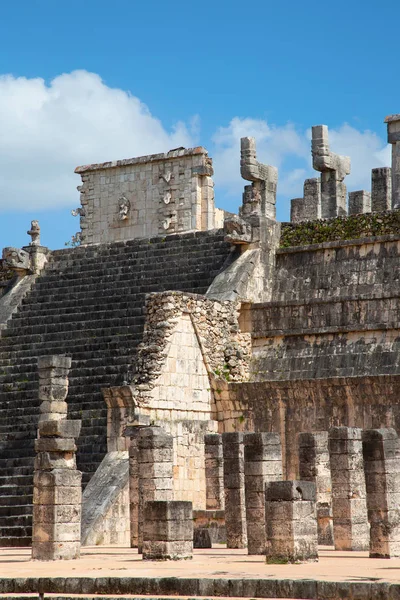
{"x": 12, "y": 490}
{"x": 15, "y": 542}
{"x": 88, "y": 303}
{"x": 79, "y": 316}
{"x": 79, "y": 348}
{"x": 17, "y": 531}
{"x": 15, "y": 511}
{"x": 12, "y": 500}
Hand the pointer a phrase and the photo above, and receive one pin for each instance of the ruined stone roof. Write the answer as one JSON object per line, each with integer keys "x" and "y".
{"x": 175, "y": 153}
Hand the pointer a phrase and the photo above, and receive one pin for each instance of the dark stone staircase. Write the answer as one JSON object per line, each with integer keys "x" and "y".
{"x": 89, "y": 304}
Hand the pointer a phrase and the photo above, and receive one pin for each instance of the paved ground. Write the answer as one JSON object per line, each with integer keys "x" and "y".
{"x": 216, "y": 563}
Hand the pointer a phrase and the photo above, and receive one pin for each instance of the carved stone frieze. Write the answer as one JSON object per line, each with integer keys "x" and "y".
{"x": 16, "y": 259}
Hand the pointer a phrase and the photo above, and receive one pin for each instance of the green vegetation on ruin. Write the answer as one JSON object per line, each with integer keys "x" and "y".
{"x": 341, "y": 228}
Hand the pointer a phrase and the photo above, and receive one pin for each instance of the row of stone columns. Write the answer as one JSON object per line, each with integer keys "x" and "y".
{"x": 325, "y": 197}
{"x": 365, "y": 474}
{"x": 356, "y": 475}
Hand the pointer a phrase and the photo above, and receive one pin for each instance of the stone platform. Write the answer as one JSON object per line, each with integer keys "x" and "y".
{"x": 218, "y": 572}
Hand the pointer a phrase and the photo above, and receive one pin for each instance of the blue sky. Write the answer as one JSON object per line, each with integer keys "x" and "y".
{"x": 90, "y": 81}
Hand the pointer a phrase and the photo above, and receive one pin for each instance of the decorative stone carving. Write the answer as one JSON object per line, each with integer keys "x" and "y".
{"x": 167, "y": 223}
{"x": 124, "y": 208}
{"x": 334, "y": 169}
{"x": 167, "y": 198}
{"x": 260, "y": 197}
{"x": 76, "y": 239}
{"x": 34, "y": 232}
{"x": 237, "y": 231}
{"x": 166, "y": 176}
{"x": 78, "y": 212}
{"x": 16, "y": 259}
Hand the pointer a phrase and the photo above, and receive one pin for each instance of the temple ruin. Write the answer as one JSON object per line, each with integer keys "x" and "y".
{"x": 207, "y": 376}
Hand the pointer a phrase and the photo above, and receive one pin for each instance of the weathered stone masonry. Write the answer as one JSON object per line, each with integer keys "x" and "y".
{"x": 329, "y": 318}
{"x": 147, "y": 196}
{"x": 57, "y": 483}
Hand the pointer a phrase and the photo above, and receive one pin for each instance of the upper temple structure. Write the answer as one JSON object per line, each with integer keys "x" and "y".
{"x": 196, "y": 345}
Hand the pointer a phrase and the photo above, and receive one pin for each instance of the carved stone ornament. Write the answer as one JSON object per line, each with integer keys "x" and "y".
{"x": 166, "y": 176}
{"x": 124, "y": 208}
{"x": 78, "y": 212}
{"x": 76, "y": 239}
{"x": 16, "y": 259}
{"x": 167, "y": 198}
{"x": 34, "y": 232}
{"x": 166, "y": 223}
{"x": 237, "y": 230}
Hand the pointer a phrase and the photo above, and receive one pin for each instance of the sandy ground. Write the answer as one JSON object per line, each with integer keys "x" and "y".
{"x": 218, "y": 562}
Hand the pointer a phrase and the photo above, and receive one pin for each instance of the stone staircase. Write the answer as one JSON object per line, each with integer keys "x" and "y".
{"x": 89, "y": 304}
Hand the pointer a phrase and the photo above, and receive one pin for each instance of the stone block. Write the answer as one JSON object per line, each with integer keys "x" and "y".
{"x": 290, "y": 490}
{"x": 154, "y": 438}
{"x": 63, "y": 477}
{"x": 58, "y": 407}
{"x": 54, "y": 362}
{"x": 63, "y": 429}
{"x": 59, "y": 513}
{"x": 57, "y": 495}
{"x": 55, "y": 445}
{"x": 52, "y": 392}
{"x": 47, "y": 461}
{"x": 158, "y": 550}
{"x": 56, "y": 550}
{"x": 57, "y": 532}
{"x": 159, "y": 455}
{"x": 165, "y": 531}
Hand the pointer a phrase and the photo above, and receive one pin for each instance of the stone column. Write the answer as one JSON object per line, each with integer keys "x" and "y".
{"x": 312, "y": 199}
{"x": 235, "y": 505}
{"x": 297, "y": 210}
{"x": 393, "y": 130}
{"x": 334, "y": 169}
{"x": 349, "y": 505}
{"x": 57, "y": 496}
{"x": 291, "y": 522}
{"x": 381, "y": 451}
{"x": 262, "y": 464}
{"x": 168, "y": 530}
{"x": 121, "y": 411}
{"x": 314, "y": 466}
{"x": 132, "y": 432}
{"x": 381, "y": 189}
{"x": 53, "y": 387}
{"x": 307, "y": 208}
{"x": 155, "y": 465}
{"x": 359, "y": 202}
{"x": 260, "y": 197}
{"x": 214, "y": 466}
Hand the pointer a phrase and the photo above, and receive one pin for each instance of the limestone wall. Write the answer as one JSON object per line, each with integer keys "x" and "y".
{"x": 147, "y": 196}
{"x": 291, "y": 407}
{"x": 365, "y": 267}
{"x": 335, "y": 313}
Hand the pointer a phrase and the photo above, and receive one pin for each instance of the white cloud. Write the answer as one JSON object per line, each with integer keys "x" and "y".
{"x": 47, "y": 130}
{"x": 366, "y": 150}
{"x": 274, "y": 146}
{"x": 289, "y": 149}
